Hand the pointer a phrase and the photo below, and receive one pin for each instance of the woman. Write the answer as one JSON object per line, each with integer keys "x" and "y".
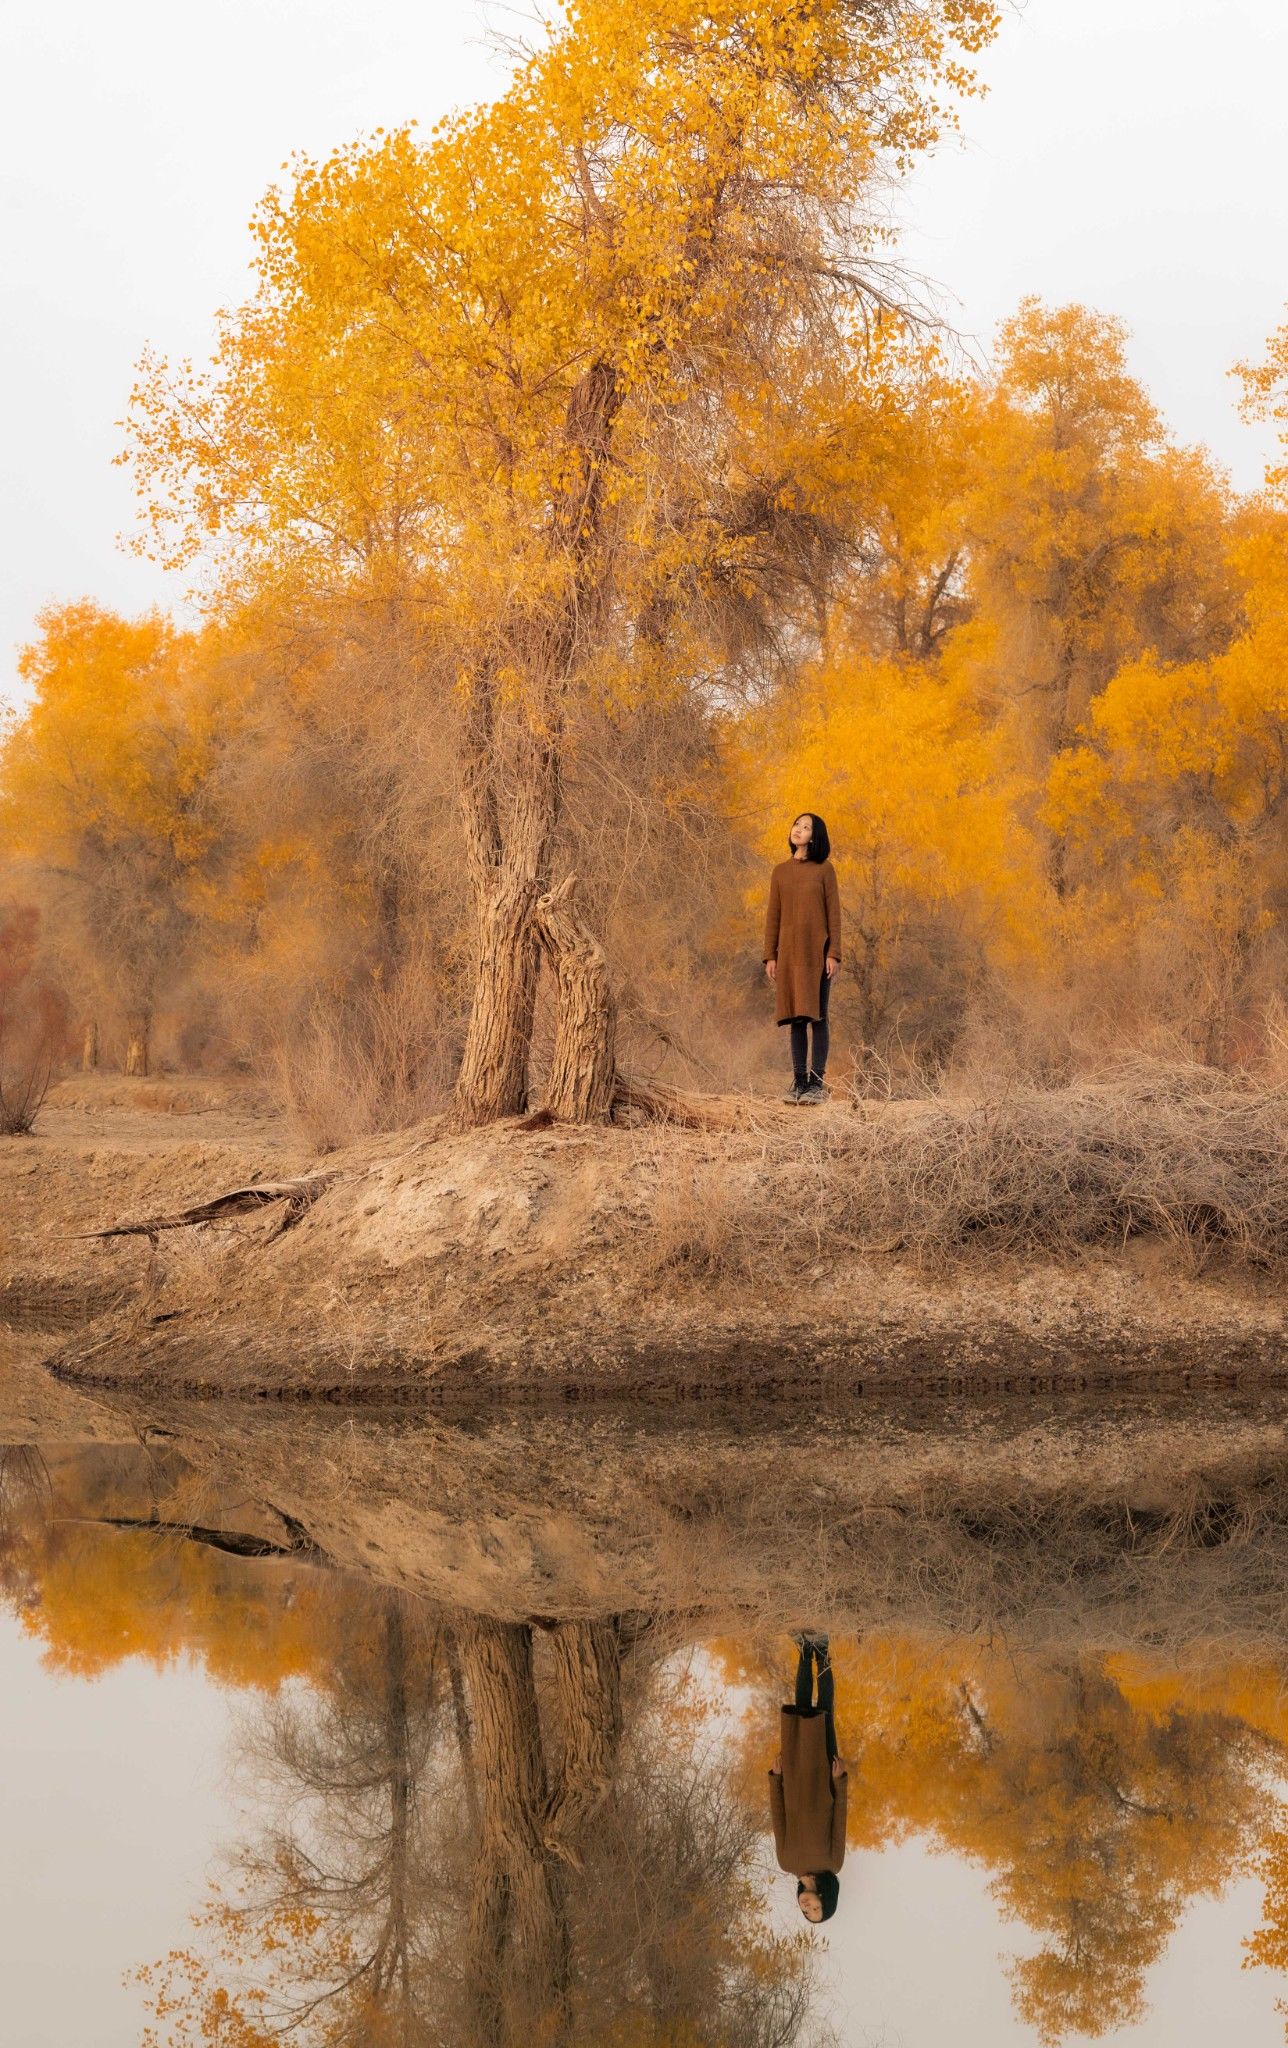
{"x": 807, "y": 1787}
{"x": 803, "y": 949}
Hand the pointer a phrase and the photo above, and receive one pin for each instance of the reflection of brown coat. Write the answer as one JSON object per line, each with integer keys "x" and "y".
{"x": 807, "y": 1803}
{"x": 802, "y": 926}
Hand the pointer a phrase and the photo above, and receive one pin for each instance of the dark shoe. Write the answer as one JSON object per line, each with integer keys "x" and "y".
{"x": 797, "y": 1092}
{"x": 813, "y": 1091}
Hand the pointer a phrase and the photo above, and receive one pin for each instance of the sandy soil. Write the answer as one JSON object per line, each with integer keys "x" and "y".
{"x": 516, "y": 1260}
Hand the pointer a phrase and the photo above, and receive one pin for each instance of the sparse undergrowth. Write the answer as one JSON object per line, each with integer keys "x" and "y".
{"x": 1195, "y": 1157}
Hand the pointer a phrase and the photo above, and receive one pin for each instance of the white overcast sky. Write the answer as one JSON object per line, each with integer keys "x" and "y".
{"x": 1131, "y": 153}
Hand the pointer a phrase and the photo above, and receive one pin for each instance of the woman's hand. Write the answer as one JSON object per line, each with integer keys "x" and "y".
{"x": 838, "y": 1768}
{"x": 776, "y": 1768}
{"x": 771, "y": 969}
{"x": 831, "y": 966}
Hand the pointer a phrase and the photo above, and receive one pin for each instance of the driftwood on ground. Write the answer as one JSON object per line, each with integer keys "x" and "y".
{"x": 299, "y": 1195}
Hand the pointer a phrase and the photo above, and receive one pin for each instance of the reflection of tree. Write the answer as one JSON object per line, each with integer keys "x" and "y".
{"x": 326, "y": 1935}
{"x": 1100, "y": 1805}
{"x": 1268, "y": 1947}
{"x": 489, "y": 1833}
{"x": 25, "y": 1494}
{"x": 1123, "y": 1818}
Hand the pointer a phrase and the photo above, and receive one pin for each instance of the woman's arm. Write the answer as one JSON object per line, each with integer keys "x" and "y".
{"x": 773, "y": 919}
{"x": 778, "y": 1810}
{"x": 840, "y": 1783}
{"x": 832, "y": 898}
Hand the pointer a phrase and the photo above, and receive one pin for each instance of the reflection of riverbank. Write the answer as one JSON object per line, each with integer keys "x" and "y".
{"x": 555, "y": 1830}
{"x": 1100, "y": 1521}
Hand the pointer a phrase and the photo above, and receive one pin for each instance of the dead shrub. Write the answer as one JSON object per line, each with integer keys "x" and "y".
{"x": 697, "y": 1216}
{"x": 33, "y": 1023}
{"x": 1187, "y": 1154}
{"x": 374, "y": 1062}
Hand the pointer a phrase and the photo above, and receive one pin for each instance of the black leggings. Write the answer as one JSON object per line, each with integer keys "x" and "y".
{"x": 809, "y": 1062}
{"x": 817, "y": 1695}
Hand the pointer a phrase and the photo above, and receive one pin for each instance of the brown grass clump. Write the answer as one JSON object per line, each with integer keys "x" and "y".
{"x": 1191, "y": 1155}
{"x": 33, "y": 1023}
{"x": 376, "y": 1064}
{"x": 697, "y": 1217}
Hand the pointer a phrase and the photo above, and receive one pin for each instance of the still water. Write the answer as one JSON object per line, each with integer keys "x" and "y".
{"x": 375, "y": 1730}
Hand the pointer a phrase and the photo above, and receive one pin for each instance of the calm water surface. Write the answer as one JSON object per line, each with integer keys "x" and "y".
{"x": 264, "y": 1779}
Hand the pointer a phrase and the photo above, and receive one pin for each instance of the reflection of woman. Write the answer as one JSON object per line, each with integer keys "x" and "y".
{"x": 807, "y": 1786}
{"x": 803, "y": 949}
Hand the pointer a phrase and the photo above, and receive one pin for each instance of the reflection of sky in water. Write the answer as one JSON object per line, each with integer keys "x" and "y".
{"x": 917, "y": 1959}
{"x": 113, "y": 1802}
{"x": 118, "y": 1797}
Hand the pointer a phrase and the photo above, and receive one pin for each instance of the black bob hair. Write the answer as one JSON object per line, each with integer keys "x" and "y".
{"x": 828, "y": 1886}
{"x": 820, "y": 846}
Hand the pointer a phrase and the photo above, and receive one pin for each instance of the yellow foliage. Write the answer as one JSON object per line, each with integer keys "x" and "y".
{"x": 919, "y": 805}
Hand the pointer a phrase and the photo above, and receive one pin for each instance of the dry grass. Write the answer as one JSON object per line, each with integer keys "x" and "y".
{"x": 696, "y": 1219}
{"x": 1190, "y": 1155}
{"x": 375, "y": 1065}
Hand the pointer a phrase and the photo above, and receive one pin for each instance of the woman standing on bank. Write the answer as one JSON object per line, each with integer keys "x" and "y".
{"x": 808, "y": 1784}
{"x": 803, "y": 949}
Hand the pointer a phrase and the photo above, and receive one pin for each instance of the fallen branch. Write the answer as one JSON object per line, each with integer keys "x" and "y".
{"x": 233, "y": 1542}
{"x": 299, "y": 1196}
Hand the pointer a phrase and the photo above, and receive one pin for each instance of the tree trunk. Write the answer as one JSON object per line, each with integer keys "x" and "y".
{"x": 464, "y": 1736}
{"x": 519, "y": 1911}
{"x": 511, "y": 795}
{"x": 583, "y": 1071}
{"x": 391, "y": 1973}
{"x": 493, "y": 1080}
{"x": 89, "y": 1047}
{"x": 137, "y": 1046}
{"x": 588, "y": 1683}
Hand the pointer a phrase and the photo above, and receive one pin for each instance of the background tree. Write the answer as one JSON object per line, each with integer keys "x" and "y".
{"x": 104, "y": 797}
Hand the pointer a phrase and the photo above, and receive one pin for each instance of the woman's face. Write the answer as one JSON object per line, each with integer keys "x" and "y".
{"x": 802, "y": 831}
{"x": 811, "y": 1906}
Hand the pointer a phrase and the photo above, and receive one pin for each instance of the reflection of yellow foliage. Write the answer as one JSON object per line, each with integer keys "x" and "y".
{"x": 1102, "y": 1794}
{"x": 103, "y": 1597}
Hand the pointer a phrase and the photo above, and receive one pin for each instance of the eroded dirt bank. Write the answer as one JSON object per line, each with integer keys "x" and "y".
{"x": 617, "y": 1260}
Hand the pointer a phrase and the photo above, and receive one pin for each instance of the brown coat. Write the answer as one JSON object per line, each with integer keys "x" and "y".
{"x": 802, "y": 927}
{"x": 807, "y": 1803}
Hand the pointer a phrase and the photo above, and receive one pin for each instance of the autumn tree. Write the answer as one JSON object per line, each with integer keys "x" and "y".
{"x": 938, "y": 875}
{"x": 1175, "y": 801}
{"x": 1094, "y": 539}
{"x": 583, "y": 320}
{"x": 104, "y": 787}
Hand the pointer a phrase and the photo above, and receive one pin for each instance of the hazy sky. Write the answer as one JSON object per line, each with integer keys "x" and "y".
{"x": 1132, "y": 154}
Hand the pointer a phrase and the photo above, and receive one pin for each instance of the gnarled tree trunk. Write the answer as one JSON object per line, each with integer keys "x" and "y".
{"x": 89, "y": 1047}
{"x": 518, "y": 1921}
{"x": 583, "y": 1071}
{"x": 511, "y": 792}
{"x": 493, "y": 1080}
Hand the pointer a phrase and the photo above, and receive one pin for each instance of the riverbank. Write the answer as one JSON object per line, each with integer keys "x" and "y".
{"x": 1085, "y": 1237}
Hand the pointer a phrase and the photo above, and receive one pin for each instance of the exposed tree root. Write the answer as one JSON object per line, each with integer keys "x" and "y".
{"x": 661, "y": 1104}
{"x": 298, "y": 1194}
{"x": 235, "y": 1542}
